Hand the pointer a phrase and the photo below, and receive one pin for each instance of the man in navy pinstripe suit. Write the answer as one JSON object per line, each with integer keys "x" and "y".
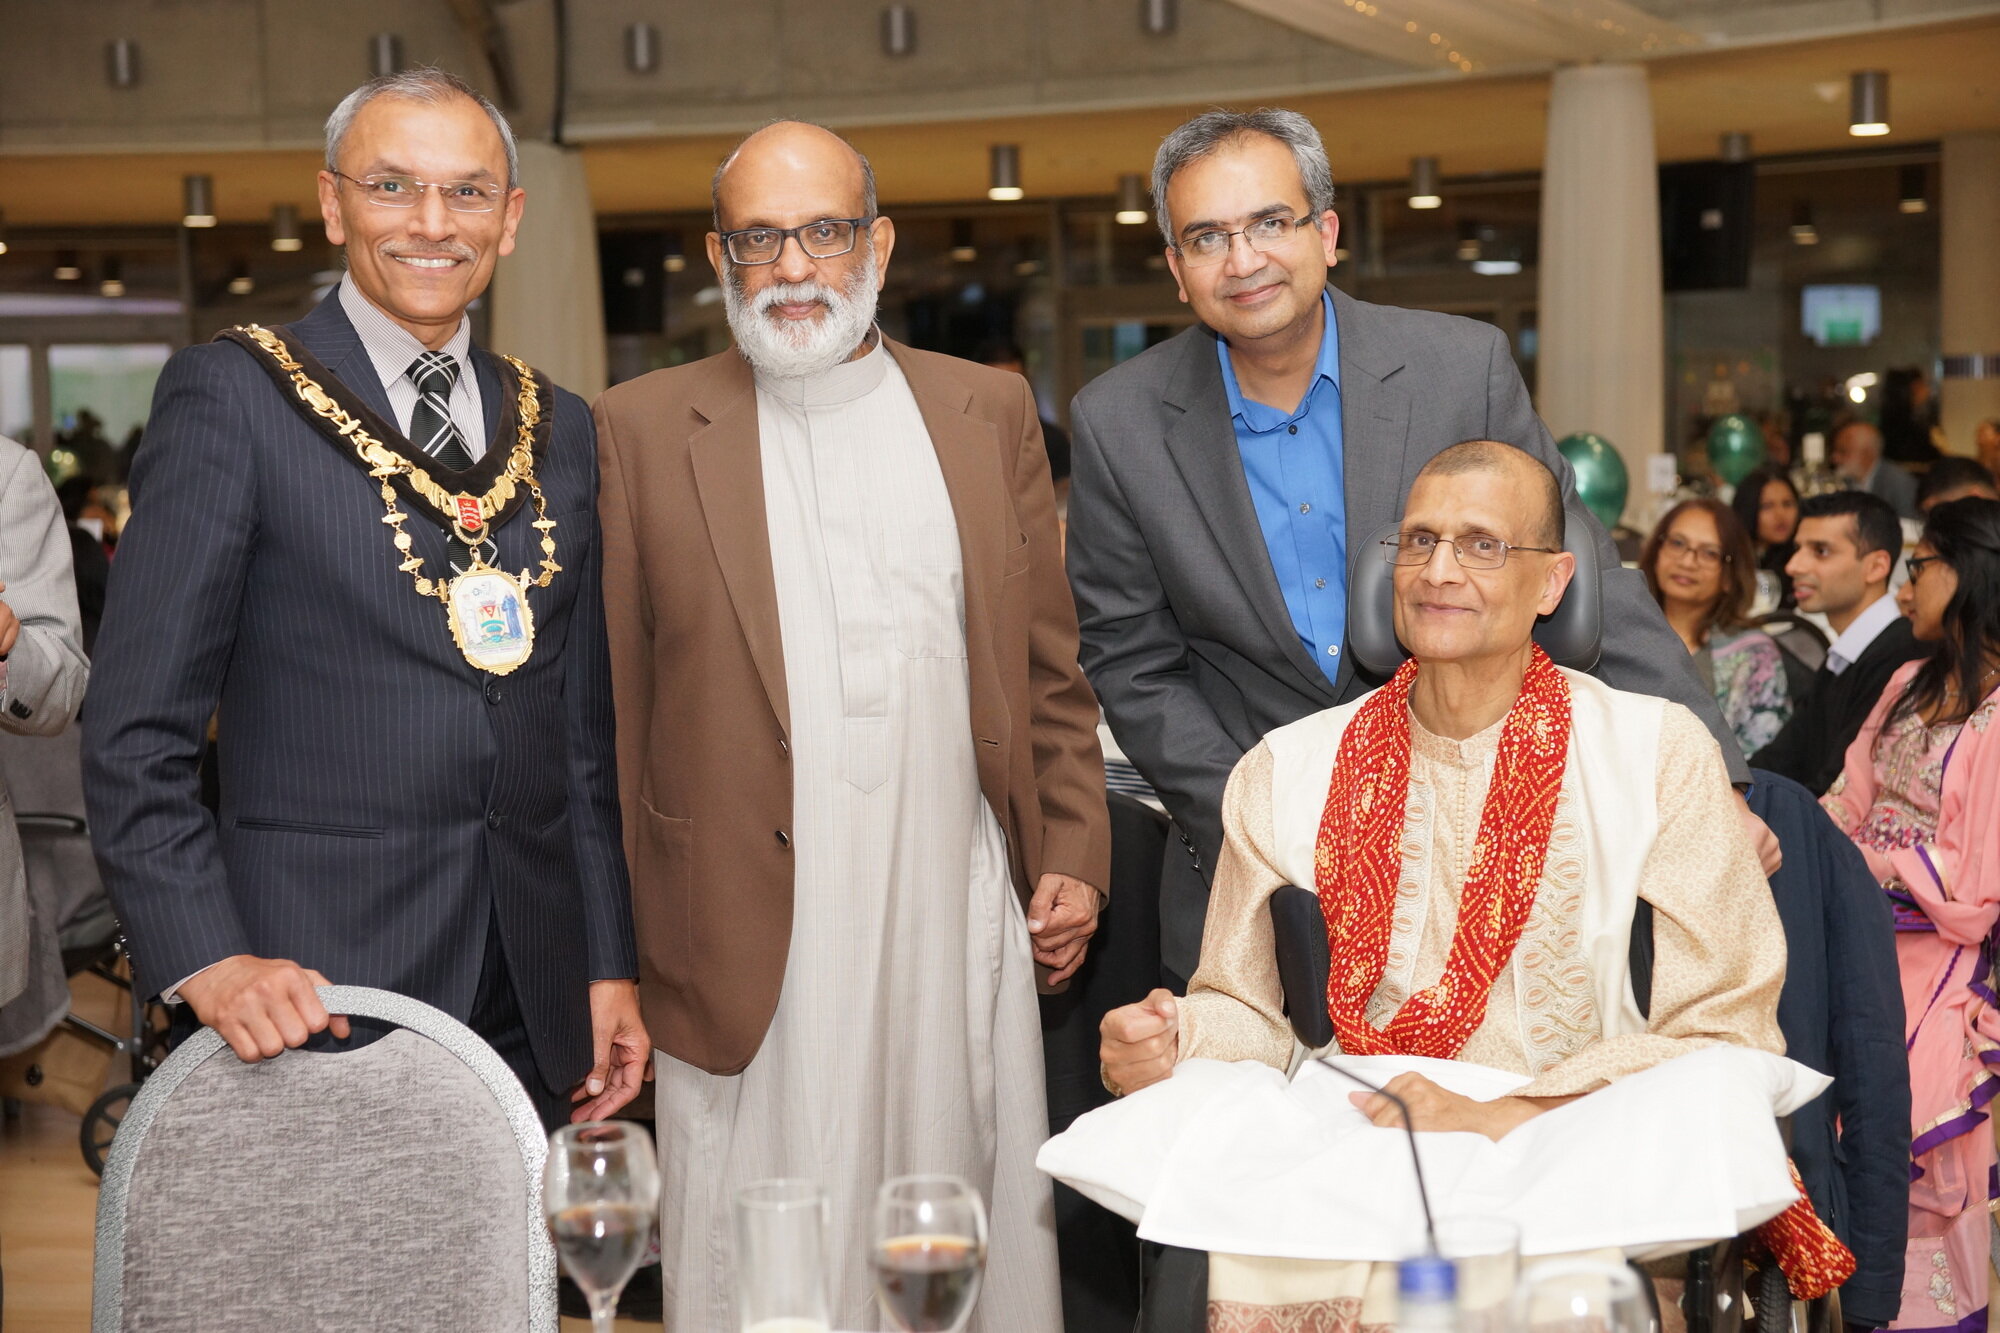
{"x": 392, "y": 815}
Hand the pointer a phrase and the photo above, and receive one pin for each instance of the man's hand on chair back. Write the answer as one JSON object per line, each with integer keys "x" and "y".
{"x": 1139, "y": 1043}
{"x": 260, "y": 1006}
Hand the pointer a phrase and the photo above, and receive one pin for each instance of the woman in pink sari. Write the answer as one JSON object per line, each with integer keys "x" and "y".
{"x": 1921, "y": 798}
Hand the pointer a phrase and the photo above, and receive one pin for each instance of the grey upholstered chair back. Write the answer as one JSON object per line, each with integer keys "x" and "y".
{"x": 397, "y": 1186}
{"x": 1572, "y": 634}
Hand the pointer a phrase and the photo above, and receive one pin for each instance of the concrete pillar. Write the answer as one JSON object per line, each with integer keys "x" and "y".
{"x": 548, "y": 309}
{"x": 1600, "y": 366}
{"x": 1969, "y": 325}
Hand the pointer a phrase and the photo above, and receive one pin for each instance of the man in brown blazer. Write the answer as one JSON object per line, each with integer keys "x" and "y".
{"x": 858, "y": 760}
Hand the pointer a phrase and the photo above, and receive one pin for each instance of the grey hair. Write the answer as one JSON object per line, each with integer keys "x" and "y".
{"x": 1214, "y": 129}
{"x": 424, "y": 84}
{"x": 868, "y": 201}
{"x": 1498, "y": 456}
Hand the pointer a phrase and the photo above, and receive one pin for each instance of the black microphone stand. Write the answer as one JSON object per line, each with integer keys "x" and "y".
{"x": 1416, "y": 1164}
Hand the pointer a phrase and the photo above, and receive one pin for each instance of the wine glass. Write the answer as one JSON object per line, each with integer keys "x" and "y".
{"x": 781, "y": 1257}
{"x": 1581, "y": 1296}
{"x": 929, "y": 1252}
{"x": 600, "y": 1193}
{"x": 1486, "y": 1251}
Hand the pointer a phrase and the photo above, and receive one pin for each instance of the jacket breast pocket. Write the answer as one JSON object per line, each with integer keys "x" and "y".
{"x": 662, "y": 880}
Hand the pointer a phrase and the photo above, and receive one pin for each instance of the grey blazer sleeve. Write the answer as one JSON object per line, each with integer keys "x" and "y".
{"x": 162, "y": 652}
{"x": 1641, "y": 651}
{"x": 1134, "y": 652}
{"x": 46, "y": 670}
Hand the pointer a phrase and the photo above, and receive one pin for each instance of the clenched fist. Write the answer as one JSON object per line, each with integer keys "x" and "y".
{"x": 1139, "y": 1043}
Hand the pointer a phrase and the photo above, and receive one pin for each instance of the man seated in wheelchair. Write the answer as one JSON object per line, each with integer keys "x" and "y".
{"x": 1479, "y": 832}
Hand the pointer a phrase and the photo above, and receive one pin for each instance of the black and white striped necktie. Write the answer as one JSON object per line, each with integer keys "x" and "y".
{"x": 431, "y": 428}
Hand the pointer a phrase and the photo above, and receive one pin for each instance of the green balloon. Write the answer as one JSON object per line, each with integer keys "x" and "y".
{"x": 1601, "y": 480}
{"x": 1735, "y": 447}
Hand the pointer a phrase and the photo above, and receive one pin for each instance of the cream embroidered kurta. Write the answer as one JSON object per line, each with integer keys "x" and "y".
{"x": 907, "y": 1036}
{"x": 1644, "y": 811}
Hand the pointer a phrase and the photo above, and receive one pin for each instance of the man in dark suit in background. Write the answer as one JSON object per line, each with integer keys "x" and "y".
{"x": 418, "y": 778}
{"x": 1857, "y": 456}
{"x": 1848, "y": 544}
{"x": 1227, "y": 480}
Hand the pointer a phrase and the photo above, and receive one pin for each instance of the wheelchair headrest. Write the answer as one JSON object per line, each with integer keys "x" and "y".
{"x": 1571, "y": 634}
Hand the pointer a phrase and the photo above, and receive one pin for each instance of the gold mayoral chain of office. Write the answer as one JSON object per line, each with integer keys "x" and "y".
{"x": 485, "y": 607}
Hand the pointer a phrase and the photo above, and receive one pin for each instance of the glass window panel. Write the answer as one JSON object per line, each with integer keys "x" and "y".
{"x": 17, "y": 406}
{"x": 100, "y": 394}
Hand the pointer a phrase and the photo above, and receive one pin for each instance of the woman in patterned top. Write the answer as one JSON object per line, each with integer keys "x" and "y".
{"x": 1921, "y": 797}
{"x": 1699, "y": 566}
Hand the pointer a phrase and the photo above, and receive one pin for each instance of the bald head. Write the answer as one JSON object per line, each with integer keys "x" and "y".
{"x": 785, "y": 164}
{"x": 1543, "y": 503}
{"x": 1857, "y": 447}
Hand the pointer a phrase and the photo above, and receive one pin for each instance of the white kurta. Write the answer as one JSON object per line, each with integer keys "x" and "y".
{"x": 907, "y": 1036}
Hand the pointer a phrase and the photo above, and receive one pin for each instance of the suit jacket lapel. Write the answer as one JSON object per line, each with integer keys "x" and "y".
{"x": 1203, "y": 444}
{"x": 729, "y": 479}
{"x": 329, "y": 335}
{"x": 1375, "y": 429}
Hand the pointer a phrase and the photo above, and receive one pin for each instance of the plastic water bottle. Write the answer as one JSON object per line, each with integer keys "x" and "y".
{"x": 1427, "y": 1295}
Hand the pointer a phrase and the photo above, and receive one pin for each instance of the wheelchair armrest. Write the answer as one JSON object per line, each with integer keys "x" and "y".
{"x": 1304, "y": 961}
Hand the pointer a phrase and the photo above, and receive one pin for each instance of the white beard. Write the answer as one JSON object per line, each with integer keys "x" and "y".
{"x": 798, "y": 349}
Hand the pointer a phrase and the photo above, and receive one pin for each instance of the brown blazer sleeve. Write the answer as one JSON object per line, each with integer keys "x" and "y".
{"x": 1069, "y": 765}
{"x": 628, "y": 616}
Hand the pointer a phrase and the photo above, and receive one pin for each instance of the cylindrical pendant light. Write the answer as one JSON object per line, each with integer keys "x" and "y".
{"x": 673, "y": 253}
{"x": 963, "y": 251}
{"x": 1159, "y": 17}
{"x": 385, "y": 54}
{"x": 1131, "y": 199}
{"x": 285, "y": 229}
{"x": 1735, "y": 147}
{"x": 1003, "y": 182}
{"x": 69, "y": 266}
{"x": 111, "y": 277}
{"x": 1868, "y": 103}
{"x": 197, "y": 201}
{"x": 899, "y": 30}
{"x": 1803, "y": 230}
{"x": 121, "y": 62}
{"x": 1424, "y": 183}
{"x": 642, "y": 48}
{"x": 1913, "y": 196}
{"x": 240, "y": 281}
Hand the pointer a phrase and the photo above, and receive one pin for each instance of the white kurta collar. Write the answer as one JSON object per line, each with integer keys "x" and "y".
{"x": 842, "y": 384}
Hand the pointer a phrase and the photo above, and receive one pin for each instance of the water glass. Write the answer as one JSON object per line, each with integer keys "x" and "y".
{"x": 929, "y": 1252}
{"x": 1581, "y": 1296}
{"x": 1486, "y": 1251}
{"x": 781, "y": 1257}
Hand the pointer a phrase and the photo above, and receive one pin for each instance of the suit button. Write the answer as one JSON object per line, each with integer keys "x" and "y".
{"x": 784, "y": 838}
{"x": 493, "y": 691}
{"x": 494, "y": 819}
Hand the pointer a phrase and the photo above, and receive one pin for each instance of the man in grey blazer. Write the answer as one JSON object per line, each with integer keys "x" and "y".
{"x": 42, "y": 669}
{"x": 1857, "y": 456}
{"x": 1211, "y": 533}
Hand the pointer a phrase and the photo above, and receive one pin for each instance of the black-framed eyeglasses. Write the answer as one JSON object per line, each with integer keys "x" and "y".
{"x": 1266, "y": 233}
{"x": 1475, "y": 550}
{"x": 1705, "y": 557}
{"x": 1913, "y": 565}
{"x": 394, "y": 190}
{"x": 828, "y": 238}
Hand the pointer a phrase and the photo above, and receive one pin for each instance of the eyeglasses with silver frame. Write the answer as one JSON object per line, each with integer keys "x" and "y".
{"x": 828, "y": 238}
{"x": 393, "y": 190}
{"x": 1475, "y": 550}
{"x": 1265, "y": 233}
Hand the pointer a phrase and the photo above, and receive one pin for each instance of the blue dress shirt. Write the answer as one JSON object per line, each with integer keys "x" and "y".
{"x": 1293, "y": 463}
